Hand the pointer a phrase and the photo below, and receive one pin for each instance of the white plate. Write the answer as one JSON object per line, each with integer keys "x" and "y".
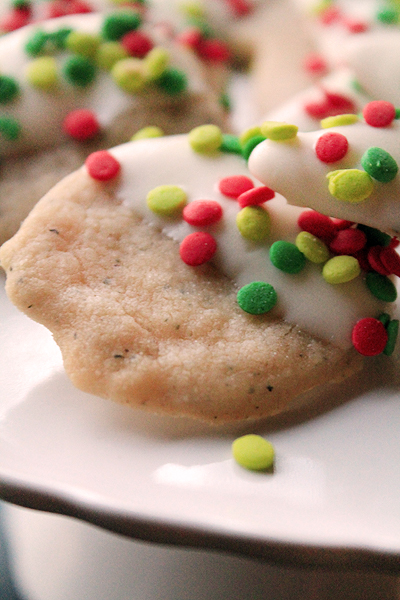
{"x": 333, "y": 499}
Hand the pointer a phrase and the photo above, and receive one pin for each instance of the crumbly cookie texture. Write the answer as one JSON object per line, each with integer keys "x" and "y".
{"x": 138, "y": 326}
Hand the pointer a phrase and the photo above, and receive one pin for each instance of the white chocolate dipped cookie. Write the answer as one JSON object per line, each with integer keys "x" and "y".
{"x": 72, "y": 85}
{"x": 173, "y": 281}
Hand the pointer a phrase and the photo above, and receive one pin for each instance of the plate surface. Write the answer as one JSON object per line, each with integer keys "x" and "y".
{"x": 333, "y": 499}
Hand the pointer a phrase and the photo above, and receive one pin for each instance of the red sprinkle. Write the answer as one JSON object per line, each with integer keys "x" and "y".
{"x": 201, "y": 213}
{"x": 315, "y": 64}
{"x": 137, "y": 43}
{"x": 197, "y": 248}
{"x": 354, "y": 26}
{"x": 331, "y": 147}
{"x": 255, "y": 196}
{"x": 330, "y": 15}
{"x": 81, "y": 124}
{"x": 16, "y": 18}
{"x": 362, "y": 257}
{"x": 60, "y": 8}
{"x": 331, "y": 105}
{"x": 390, "y": 260}
{"x": 369, "y": 336}
{"x": 190, "y": 38}
{"x": 374, "y": 259}
{"x": 235, "y": 185}
{"x": 379, "y": 113}
{"x": 213, "y": 50}
{"x": 240, "y": 8}
{"x": 348, "y": 241}
{"x": 317, "y": 224}
{"x": 341, "y": 224}
{"x": 101, "y": 165}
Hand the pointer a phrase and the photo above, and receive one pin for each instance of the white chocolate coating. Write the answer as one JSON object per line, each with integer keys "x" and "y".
{"x": 324, "y": 310}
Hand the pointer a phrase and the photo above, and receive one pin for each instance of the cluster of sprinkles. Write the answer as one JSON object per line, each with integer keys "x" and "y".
{"x": 328, "y": 13}
{"x": 344, "y": 250}
{"x": 122, "y": 48}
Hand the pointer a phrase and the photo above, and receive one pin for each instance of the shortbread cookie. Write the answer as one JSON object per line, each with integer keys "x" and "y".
{"x": 346, "y": 170}
{"x": 173, "y": 281}
{"x": 83, "y": 83}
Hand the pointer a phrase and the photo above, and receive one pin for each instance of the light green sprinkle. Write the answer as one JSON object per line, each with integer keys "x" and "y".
{"x": 166, "y": 200}
{"x": 246, "y": 135}
{"x": 85, "y": 44}
{"x": 350, "y": 185}
{"x": 254, "y": 223}
{"x": 206, "y": 139}
{"x": 109, "y": 53}
{"x": 257, "y": 297}
{"x": 41, "y": 73}
{"x": 147, "y": 132}
{"x": 253, "y": 452}
{"x": 192, "y": 10}
{"x": 274, "y": 130}
{"x": 128, "y": 75}
{"x": 155, "y": 62}
{"x": 347, "y": 119}
{"x": 341, "y": 269}
{"x": 312, "y": 247}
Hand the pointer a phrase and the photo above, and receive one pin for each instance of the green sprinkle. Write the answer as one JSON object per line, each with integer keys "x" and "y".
{"x": 257, "y": 297}
{"x": 41, "y": 73}
{"x": 128, "y": 75}
{"x": 109, "y": 53}
{"x": 274, "y": 130}
{"x": 384, "y": 318}
{"x": 79, "y": 71}
{"x": 9, "y": 89}
{"x": 85, "y": 44}
{"x": 225, "y": 102}
{"x": 251, "y": 144}
{"x": 166, "y": 200}
{"x": 375, "y": 237}
{"x": 205, "y": 139}
{"x": 10, "y": 128}
{"x": 147, "y": 132}
{"x": 117, "y": 24}
{"x": 57, "y": 39}
{"x": 253, "y": 452}
{"x": 155, "y": 62}
{"x": 231, "y": 144}
{"x": 253, "y": 223}
{"x": 341, "y": 269}
{"x": 388, "y": 16}
{"x": 379, "y": 164}
{"x": 392, "y": 330}
{"x": 287, "y": 257}
{"x": 312, "y": 247}
{"x": 172, "y": 81}
{"x": 36, "y": 43}
{"x": 381, "y": 287}
{"x": 246, "y": 135}
{"x": 350, "y": 185}
{"x": 338, "y": 120}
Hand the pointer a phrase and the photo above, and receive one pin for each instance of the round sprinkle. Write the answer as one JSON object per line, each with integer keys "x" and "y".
{"x": 379, "y": 164}
{"x": 151, "y": 131}
{"x": 197, "y": 248}
{"x": 201, "y": 213}
{"x": 276, "y": 131}
{"x": 10, "y": 128}
{"x": 253, "y": 223}
{"x": 287, "y": 257}
{"x": 82, "y": 43}
{"x": 36, "y": 42}
{"x": 253, "y": 452}
{"x": 338, "y": 120}
{"x": 348, "y": 241}
{"x": 205, "y": 139}
{"x": 172, "y": 81}
{"x": 116, "y": 25}
{"x": 256, "y": 196}
{"x": 235, "y": 185}
{"x": 331, "y": 147}
{"x": 213, "y": 50}
{"x": 9, "y": 89}
{"x": 79, "y": 71}
{"x": 108, "y": 54}
{"x": 312, "y": 247}
{"x": 257, "y": 298}
{"x": 379, "y": 113}
{"x": 166, "y": 200}
{"x": 250, "y": 133}
{"x": 392, "y": 329}
{"x": 390, "y": 260}
{"x": 317, "y": 224}
{"x": 369, "y": 336}
{"x": 381, "y": 287}
{"x": 136, "y": 43}
{"x": 41, "y": 73}
{"x": 350, "y": 185}
{"x": 249, "y": 146}
{"x": 102, "y": 166}
{"x": 128, "y": 75}
{"x": 155, "y": 62}
{"x": 341, "y": 269}
{"x": 81, "y": 124}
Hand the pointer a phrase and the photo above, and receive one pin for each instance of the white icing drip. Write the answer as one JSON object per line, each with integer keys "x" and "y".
{"x": 323, "y": 310}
